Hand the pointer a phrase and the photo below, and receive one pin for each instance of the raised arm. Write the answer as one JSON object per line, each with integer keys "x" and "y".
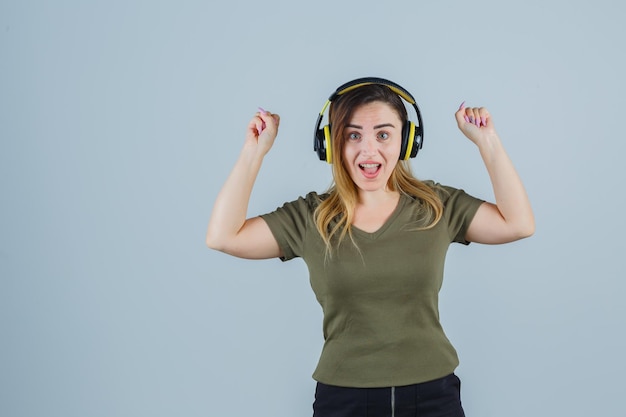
{"x": 511, "y": 217}
{"x": 229, "y": 230}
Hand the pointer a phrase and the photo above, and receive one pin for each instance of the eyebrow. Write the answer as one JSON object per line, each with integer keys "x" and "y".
{"x": 375, "y": 127}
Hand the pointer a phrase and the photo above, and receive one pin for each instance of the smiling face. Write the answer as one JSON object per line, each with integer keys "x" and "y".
{"x": 372, "y": 141}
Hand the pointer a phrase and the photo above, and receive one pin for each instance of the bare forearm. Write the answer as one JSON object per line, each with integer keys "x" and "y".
{"x": 231, "y": 205}
{"x": 510, "y": 195}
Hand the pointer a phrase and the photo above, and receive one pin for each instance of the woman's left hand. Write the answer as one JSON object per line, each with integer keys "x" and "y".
{"x": 511, "y": 217}
{"x": 475, "y": 123}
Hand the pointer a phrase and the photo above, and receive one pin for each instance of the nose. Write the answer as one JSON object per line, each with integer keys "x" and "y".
{"x": 369, "y": 145}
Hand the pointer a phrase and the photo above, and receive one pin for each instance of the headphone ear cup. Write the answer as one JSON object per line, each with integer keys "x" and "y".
{"x": 319, "y": 144}
{"x": 404, "y": 147}
{"x": 411, "y": 140}
{"x": 418, "y": 136}
{"x": 322, "y": 144}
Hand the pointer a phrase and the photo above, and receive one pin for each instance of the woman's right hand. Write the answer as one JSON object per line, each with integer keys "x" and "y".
{"x": 262, "y": 130}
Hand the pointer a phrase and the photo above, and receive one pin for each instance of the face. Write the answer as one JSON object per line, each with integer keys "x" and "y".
{"x": 373, "y": 139}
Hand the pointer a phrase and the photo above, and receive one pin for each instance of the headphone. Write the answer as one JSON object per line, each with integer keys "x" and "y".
{"x": 412, "y": 134}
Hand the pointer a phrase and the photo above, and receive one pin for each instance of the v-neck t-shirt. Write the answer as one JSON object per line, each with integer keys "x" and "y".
{"x": 379, "y": 295}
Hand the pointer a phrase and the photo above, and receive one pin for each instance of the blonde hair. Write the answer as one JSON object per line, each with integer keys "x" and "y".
{"x": 334, "y": 215}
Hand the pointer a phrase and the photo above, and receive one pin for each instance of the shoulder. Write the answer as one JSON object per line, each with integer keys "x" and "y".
{"x": 458, "y": 204}
{"x": 447, "y": 193}
{"x": 304, "y": 204}
{"x": 310, "y": 201}
{"x": 455, "y": 200}
{"x": 313, "y": 199}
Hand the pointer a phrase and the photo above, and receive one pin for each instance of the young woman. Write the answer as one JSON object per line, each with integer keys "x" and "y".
{"x": 375, "y": 246}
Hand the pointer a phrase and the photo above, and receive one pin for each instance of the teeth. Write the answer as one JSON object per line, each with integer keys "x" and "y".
{"x": 369, "y": 165}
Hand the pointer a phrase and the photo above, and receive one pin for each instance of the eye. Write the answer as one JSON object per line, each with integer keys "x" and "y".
{"x": 354, "y": 136}
{"x": 383, "y": 135}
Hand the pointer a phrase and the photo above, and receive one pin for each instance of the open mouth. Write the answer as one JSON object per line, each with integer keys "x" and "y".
{"x": 369, "y": 169}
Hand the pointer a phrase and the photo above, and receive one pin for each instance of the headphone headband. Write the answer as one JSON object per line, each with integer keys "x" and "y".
{"x": 360, "y": 82}
{"x": 413, "y": 136}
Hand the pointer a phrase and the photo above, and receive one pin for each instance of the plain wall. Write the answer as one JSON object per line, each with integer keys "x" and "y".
{"x": 119, "y": 122}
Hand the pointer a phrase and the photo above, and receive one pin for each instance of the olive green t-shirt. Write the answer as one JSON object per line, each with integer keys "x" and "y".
{"x": 380, "y": 301}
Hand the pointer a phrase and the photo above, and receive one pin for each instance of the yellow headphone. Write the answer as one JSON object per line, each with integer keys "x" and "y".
{"x": 412, "y": 134}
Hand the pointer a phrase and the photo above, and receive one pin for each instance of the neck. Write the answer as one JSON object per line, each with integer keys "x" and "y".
{"x": 378, "y": 197}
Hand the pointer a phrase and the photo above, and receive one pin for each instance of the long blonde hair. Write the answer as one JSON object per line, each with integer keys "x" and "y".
{"x": 334, "y": 215}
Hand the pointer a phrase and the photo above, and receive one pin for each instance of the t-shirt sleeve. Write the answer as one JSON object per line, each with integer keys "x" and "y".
{"x": 289, "y": 225}
{"x": 459, "y": 211}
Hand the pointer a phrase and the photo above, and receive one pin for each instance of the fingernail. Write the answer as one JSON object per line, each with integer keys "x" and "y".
{"x": 467, "y": 119}
{"x": 471, "y": 119}
{"x": 264, "y": 112}
{"x": 483, "y": 119}
{"x": 462, "y": 105}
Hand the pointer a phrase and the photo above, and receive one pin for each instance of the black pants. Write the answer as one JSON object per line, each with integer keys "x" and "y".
{"x": 438, "y": 398}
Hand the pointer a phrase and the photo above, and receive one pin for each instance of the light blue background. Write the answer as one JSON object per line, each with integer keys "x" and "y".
{"x": 119, "y": 121}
